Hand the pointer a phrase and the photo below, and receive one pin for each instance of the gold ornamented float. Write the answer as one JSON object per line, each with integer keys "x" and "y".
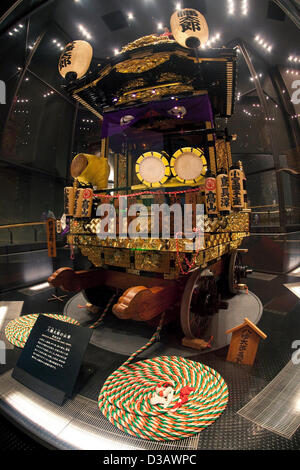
{"x": 157, "y": 102}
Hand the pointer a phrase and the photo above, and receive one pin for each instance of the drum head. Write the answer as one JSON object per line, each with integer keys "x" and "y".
{"x": 189, "y": 165}
{"x": 152, "y": 168}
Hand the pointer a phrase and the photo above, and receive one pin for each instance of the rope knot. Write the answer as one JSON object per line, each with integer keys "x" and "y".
{"x": 184, "y": 394}
{"x": 163, "y": 394}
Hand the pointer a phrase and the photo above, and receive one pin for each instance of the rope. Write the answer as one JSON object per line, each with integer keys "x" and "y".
{"x": 199, "y": 393}
{"x": 200, "y": 396}
{"x": 17, "y": 331}
{"x": 152, "y": 340}
{"x": 125, "y": 398}
{"x": 192, "y": 263}
{"x": 100, "y": 319}
{"x": 72, "y": 256}
{"x": 142, "y": 193}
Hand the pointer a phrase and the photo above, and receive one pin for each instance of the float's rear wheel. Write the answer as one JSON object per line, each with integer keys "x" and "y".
{"x": 199, "y": 302}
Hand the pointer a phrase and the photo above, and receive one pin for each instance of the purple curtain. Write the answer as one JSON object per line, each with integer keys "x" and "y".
{"x": 196, "y": 108}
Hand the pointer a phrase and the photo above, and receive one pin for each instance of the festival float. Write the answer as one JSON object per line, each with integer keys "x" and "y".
{"x": 157, "y": 102}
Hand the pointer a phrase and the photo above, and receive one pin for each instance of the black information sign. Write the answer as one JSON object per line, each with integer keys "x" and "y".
{"x": 51, "y": 359}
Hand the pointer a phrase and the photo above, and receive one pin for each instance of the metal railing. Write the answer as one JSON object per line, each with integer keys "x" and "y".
{"x": 268, "y": 215}
{"x": 10, "y": 233}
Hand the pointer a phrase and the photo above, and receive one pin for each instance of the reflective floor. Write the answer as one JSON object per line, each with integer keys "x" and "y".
{"x": 280, "y": 321}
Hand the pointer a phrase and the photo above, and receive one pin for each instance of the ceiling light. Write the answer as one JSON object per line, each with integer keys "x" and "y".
{"x": 178, "y": 6}
{"x": 231, "y": 8}
{"x": 159, "y": 26}
{"x": 116, "y": 51}
{"x": 130, "y": 16}
{"x": 243, "y": 10}
{"x": 84, "y": 31}
{"x": 263, "y": 43}
{"x": 244, "y": 7}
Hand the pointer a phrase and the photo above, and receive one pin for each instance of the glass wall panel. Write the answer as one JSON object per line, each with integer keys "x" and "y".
{"x": 39, "y": 130}
{"x": 87, "y": 138}
{"x": 28, "y": 195}
{"x": 45, "y": 61}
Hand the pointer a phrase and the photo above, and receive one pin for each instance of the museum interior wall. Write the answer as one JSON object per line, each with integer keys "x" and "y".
{"x": 105, "y": 108}
{"x": 42, "y": 129}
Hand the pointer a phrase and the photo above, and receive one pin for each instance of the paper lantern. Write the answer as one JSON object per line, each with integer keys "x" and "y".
{"x": 83, "y": 202}
{"x": 152, "y": 168}
{"x": 189, "y": 165}
{"x": 245, "y": 196}
{"x": 211, "y": 195}
{"x": 69, "y": 200}
{"x": 75, "y": 60}
{"x": 223, "y": 196}
{"x": 236, "y": 188}
{"x": 189, "y": 28}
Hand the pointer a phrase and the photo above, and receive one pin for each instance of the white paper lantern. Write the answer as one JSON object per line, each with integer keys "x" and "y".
{"x": 189, "y": 28}
{"x": 75, "y": 59}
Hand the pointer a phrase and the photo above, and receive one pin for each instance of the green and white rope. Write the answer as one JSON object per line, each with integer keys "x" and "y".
{"x": 17, "y": 331}
{"x": 125, "y": 396}
{"x": 101, "y": 318}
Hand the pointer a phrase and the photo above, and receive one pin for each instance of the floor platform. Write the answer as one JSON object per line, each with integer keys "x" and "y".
{"x": 79, "y": 423}
{"x": 124, "y": 337}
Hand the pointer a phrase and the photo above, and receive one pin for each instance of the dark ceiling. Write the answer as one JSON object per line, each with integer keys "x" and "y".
{"x": 108, "y": 24}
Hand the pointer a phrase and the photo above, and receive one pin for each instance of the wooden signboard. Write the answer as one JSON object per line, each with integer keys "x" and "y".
{"x": 244, "y": 343}
{"x": 51, "y": 237}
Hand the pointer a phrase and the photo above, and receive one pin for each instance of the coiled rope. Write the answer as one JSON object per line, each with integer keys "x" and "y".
{"x": 17, "y": 331}
{"x": 125, "y": 396}
{"x": 200, "y": 393}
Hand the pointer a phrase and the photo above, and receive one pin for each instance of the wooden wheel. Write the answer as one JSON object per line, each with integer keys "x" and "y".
{"x": 199, "y": 302}
{"x": 236, "y": 271}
